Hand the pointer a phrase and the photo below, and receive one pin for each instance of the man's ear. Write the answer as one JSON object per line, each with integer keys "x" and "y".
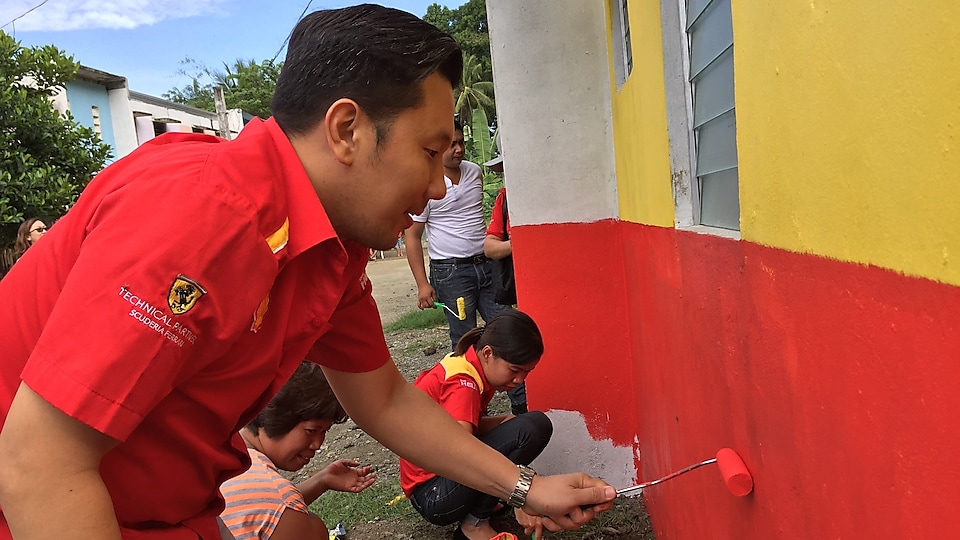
{"x": 344, "y": 124}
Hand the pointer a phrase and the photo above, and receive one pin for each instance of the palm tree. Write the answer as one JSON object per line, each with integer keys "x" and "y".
{"x": 473, "y": 93}
{"x": 248, "y": 85}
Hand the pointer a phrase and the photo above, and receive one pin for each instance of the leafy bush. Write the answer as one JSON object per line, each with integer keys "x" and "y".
{"x": 45, "y": 159}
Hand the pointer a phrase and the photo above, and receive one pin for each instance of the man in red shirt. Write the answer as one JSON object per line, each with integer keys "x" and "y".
{"x": 193, "y": 276}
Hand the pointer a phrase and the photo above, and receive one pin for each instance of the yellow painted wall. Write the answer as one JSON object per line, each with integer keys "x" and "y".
{"x": 848, "y": 118}
{"x": 640, "y": 124}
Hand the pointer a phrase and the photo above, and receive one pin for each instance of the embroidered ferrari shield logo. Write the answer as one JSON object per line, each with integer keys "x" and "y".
{"x": 184, "y": 294}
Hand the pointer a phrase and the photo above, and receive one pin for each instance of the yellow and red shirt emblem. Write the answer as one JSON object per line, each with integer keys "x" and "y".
{"x": 183, "y": 295}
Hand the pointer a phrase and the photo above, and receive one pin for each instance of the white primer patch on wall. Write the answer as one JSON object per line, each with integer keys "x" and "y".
{"x": 573, "y": 450}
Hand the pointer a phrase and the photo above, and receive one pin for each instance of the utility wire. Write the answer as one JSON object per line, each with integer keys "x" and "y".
{"x": 302, "y": 13}
{"x": 27, "y": 12}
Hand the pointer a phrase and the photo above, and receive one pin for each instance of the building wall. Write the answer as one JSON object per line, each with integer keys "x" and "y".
{"x": 640, "y": 123}
{"x": 876, "y": 184}
{"x": 127, "y": 118}
{"x": 124, "y": 126}
{"x": 570, "y": 175}
{"x": 821, "y": 345}
{"x": 558, "y": 141}
{"x": 83, "y": 95}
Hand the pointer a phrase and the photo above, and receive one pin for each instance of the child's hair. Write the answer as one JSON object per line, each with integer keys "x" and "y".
{"x": 306, "y": 396}
{"x": 512, "y": 335}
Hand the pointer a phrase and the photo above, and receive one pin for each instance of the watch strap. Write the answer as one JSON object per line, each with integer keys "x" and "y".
{"x": 519, "y": 496}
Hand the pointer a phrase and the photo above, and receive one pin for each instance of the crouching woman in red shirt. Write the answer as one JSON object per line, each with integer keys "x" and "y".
{"x": 487, "y": 359}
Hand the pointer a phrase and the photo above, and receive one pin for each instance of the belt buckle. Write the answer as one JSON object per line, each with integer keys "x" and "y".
{"x": 479, "y": 259}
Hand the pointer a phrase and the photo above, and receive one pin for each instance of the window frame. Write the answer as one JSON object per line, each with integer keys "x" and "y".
{"x": 95, "y": 114}
{"x": 622, "y": 47}
{"x": 680, "y": 124}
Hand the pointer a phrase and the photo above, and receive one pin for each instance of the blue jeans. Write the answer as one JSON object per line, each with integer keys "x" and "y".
{"x": 521, "y": 440}
{"x": 473, "y": 282}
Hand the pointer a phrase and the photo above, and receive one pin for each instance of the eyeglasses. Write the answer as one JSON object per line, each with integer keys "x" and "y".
{"x": 39, "y": 230}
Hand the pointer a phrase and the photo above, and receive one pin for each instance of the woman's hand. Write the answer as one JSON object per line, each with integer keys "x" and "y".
{"x": 347, "y": 475}
{"x": 530, "y": 524}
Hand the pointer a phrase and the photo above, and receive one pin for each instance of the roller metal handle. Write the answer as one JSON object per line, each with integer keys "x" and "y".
{"x": 634, "y": 490}
{"x": 639, "y": 487}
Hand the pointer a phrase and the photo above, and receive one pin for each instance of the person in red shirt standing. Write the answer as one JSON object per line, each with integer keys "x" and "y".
{"x": 193, "y": 276}
{"x": 495, "y": 357}
{"x": 498, "y": 248}
{"x": 496, "y": 245}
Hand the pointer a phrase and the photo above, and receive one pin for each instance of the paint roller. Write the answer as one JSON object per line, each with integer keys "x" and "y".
{"x": 461, "y": 312}
{"x": 732, "y": 469}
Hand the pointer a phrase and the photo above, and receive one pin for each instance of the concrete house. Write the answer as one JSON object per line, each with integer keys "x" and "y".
{"x": 738, "y": 225}
{"x": 126, "y": 119}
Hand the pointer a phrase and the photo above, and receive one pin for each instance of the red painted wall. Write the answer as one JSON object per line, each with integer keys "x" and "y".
{"x": 839, "y": 384}
{"x": 575, "y": 293}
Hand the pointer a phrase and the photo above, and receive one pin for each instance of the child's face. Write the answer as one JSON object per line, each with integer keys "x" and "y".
{"x": 292, "y": 451}
{"x": 501, "y": 374}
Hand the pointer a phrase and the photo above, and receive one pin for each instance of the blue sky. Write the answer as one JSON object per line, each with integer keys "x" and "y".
{"x": 147, "y": 40}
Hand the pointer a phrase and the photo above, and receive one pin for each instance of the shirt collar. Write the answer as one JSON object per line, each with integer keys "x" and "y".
{"x": 309, "y": 224}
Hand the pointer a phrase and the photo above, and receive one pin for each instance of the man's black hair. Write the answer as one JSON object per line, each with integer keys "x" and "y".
{"x": 374, "y": 55}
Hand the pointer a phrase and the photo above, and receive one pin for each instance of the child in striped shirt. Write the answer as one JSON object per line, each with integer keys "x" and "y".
{"x": 262, "y": 504}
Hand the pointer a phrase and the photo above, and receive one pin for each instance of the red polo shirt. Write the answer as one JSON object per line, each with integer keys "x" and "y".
{"x": 497, "y": 221}
{"x": 459, "y": 385}
{"x": 171, "y": 303}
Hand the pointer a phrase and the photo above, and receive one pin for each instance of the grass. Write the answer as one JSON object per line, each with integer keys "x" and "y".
{"x": 418, "y": 319}
{"x": 623, "y": 521}
{"x": 368, "y": 505}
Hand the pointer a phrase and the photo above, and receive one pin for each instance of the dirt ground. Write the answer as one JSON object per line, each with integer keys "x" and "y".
{"x": 414, "y": 351}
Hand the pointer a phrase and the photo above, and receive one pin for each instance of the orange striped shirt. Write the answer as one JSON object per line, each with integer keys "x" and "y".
{"x": 257, "y": 498}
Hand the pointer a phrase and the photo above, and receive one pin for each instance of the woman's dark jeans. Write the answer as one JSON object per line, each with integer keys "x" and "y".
{"x": 521, "y": 439}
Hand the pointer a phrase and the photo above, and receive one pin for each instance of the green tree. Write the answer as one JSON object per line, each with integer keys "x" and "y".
{"x": 468, "y": 25}
{"x": 193, "y": 94}
{"x": 480, "y": 148}
{"x": 247, "y": 84}
{"x": 474, "y": 93}
{"x": 45, "y": 159}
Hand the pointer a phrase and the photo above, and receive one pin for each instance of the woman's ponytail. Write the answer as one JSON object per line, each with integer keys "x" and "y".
{"x": 512, "y": 335}
{"x": 468, "y": 340}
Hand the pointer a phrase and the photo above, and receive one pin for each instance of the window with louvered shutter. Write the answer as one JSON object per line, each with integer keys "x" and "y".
{"x": 622, "y": 48}
{"x": 710, "y": 39}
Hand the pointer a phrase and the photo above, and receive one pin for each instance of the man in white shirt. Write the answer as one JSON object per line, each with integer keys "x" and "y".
{"x": 455, "y": 233}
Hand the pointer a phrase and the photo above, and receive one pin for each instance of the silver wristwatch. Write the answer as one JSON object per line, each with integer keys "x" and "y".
{"x": 519, "y": 496}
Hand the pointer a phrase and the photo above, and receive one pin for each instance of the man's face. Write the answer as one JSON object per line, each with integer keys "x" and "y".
{"x": 397, "y": 178}
{"x": 454, "y": 153}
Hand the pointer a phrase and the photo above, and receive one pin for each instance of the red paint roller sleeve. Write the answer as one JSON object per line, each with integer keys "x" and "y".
{"x": 734, "y": 472}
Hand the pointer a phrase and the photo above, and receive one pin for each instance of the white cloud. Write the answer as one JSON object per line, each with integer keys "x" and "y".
{"x": 58, "y": 15}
